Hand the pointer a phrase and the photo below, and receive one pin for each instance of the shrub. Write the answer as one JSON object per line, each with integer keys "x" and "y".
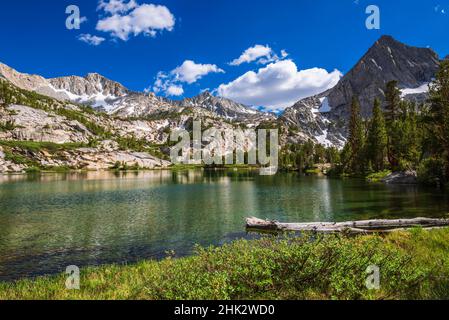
{"x": 432, "y": 172}
{"x": 378, "y": 176}
{"x": 413, "y": 265}
{"x": 7, "y": 126}
{"x": 32, "y": 170}
{"x": 117, "y": 165}
{"x": 36, "y": 146}
{"x": 19, "y": 159}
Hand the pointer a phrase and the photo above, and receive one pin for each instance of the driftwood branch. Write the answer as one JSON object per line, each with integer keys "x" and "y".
{"x": 363, "y": 226}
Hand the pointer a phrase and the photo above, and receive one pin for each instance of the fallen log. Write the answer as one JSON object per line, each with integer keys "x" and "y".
{"x": 355, "y": 227}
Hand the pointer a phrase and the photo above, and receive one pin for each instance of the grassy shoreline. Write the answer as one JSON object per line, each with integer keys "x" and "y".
{"x": 413, "y": 265}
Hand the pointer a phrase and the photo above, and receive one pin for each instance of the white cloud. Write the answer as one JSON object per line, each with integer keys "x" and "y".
{"x": 116, "y": 6}
{"x": 147, "y": 19}
{"x": 189, "y": 72}
{"x": 259, "y": 53}
{"x": 90, "y": 39}
{"x": 278, "y": 85}
{"x": 175, "y": 90}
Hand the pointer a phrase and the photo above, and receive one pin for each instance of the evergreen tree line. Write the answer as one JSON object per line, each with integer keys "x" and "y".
{"x": 303, "y": 157}
{"x": 402, "y": 136}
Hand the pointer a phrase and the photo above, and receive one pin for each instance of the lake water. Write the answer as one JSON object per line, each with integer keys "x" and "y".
{"x": 51, "y": 221}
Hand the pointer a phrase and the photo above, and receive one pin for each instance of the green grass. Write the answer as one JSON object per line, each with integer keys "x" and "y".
{"x": 18, "y": 152}
{"x": 19, "y": 159}
{"x": 413, "y": 265}
{"x": 36, "y": 146}
{"x": 378, "y": 176}
{"x": 313, "y": 171}
{"x": 32, "y": 170}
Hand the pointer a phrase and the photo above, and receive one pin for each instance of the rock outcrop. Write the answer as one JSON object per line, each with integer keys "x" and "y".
{"x": 7, "y": 166}
{"x": 101, "y": 159}
{"x": 37, "y": 125}
{"x": 407, "y": 177}
{"x": 305, "y": 121}
{"x": 226, "y": 108}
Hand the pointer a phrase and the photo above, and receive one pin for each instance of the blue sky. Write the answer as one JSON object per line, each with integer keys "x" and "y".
{"x": 319, "y": 36}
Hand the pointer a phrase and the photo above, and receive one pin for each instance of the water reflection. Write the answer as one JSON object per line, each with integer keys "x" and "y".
{"x": 48, "y": 222}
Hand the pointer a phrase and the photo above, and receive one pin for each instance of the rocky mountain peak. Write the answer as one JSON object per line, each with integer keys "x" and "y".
{"x": 22, "y": 80}
{"x": 96, "y": 77}
{"x": 206, "y": 95}
{"x": 387, "y": 60}
{"x": 225, "y": 108}
{"x": 91, "y": 84}
{"x": 324, "y": 116}
{"x": 387, "y": 40}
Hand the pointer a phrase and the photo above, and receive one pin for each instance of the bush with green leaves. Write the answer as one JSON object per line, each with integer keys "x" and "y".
{"x": 412, "y": 265}
{"x": 7, "y": 126}
{"x": 431, "y": 172}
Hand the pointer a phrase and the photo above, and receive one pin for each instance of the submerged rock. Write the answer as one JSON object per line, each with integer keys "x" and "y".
{"x": 406, "y": 177}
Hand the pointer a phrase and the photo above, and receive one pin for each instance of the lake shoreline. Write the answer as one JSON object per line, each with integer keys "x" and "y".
{"x": 268, "y": 268}
{"x": 171, "y": 168}
{"x": 50, "y": 221}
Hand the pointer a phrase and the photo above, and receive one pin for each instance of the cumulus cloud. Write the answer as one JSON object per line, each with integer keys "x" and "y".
{"x": 133, "y": 19}
{"x": 90, "y": 39}
{"x": 260, "y": 54}
{"x": 252, "y": 54}
{"x": 116, "y": 6}
{"x": 278, "y": 85}
{"x": 175, "y": 90}
{"x": 189, "y": 72}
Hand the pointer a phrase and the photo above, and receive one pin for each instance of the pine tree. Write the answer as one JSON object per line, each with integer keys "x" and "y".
{"x": 438, "y": 122}
{"x": 392, "y": 112}
{"x": 393, "y": 101}
{"x": 377, "y": 138}
{"x": 408, "y": 138}
{"x": 356, "y": 138}
{"x": 5, "y": 93}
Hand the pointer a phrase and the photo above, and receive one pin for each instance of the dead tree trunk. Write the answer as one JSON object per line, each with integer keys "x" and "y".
{"x": 362, "y": 227}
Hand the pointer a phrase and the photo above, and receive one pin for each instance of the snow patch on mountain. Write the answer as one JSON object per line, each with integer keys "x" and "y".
{"x": 322, "y": 139}
{"x": 325, "y": 107}
{"x": 97, "y": 100}
{"x": 419, "y": 90}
